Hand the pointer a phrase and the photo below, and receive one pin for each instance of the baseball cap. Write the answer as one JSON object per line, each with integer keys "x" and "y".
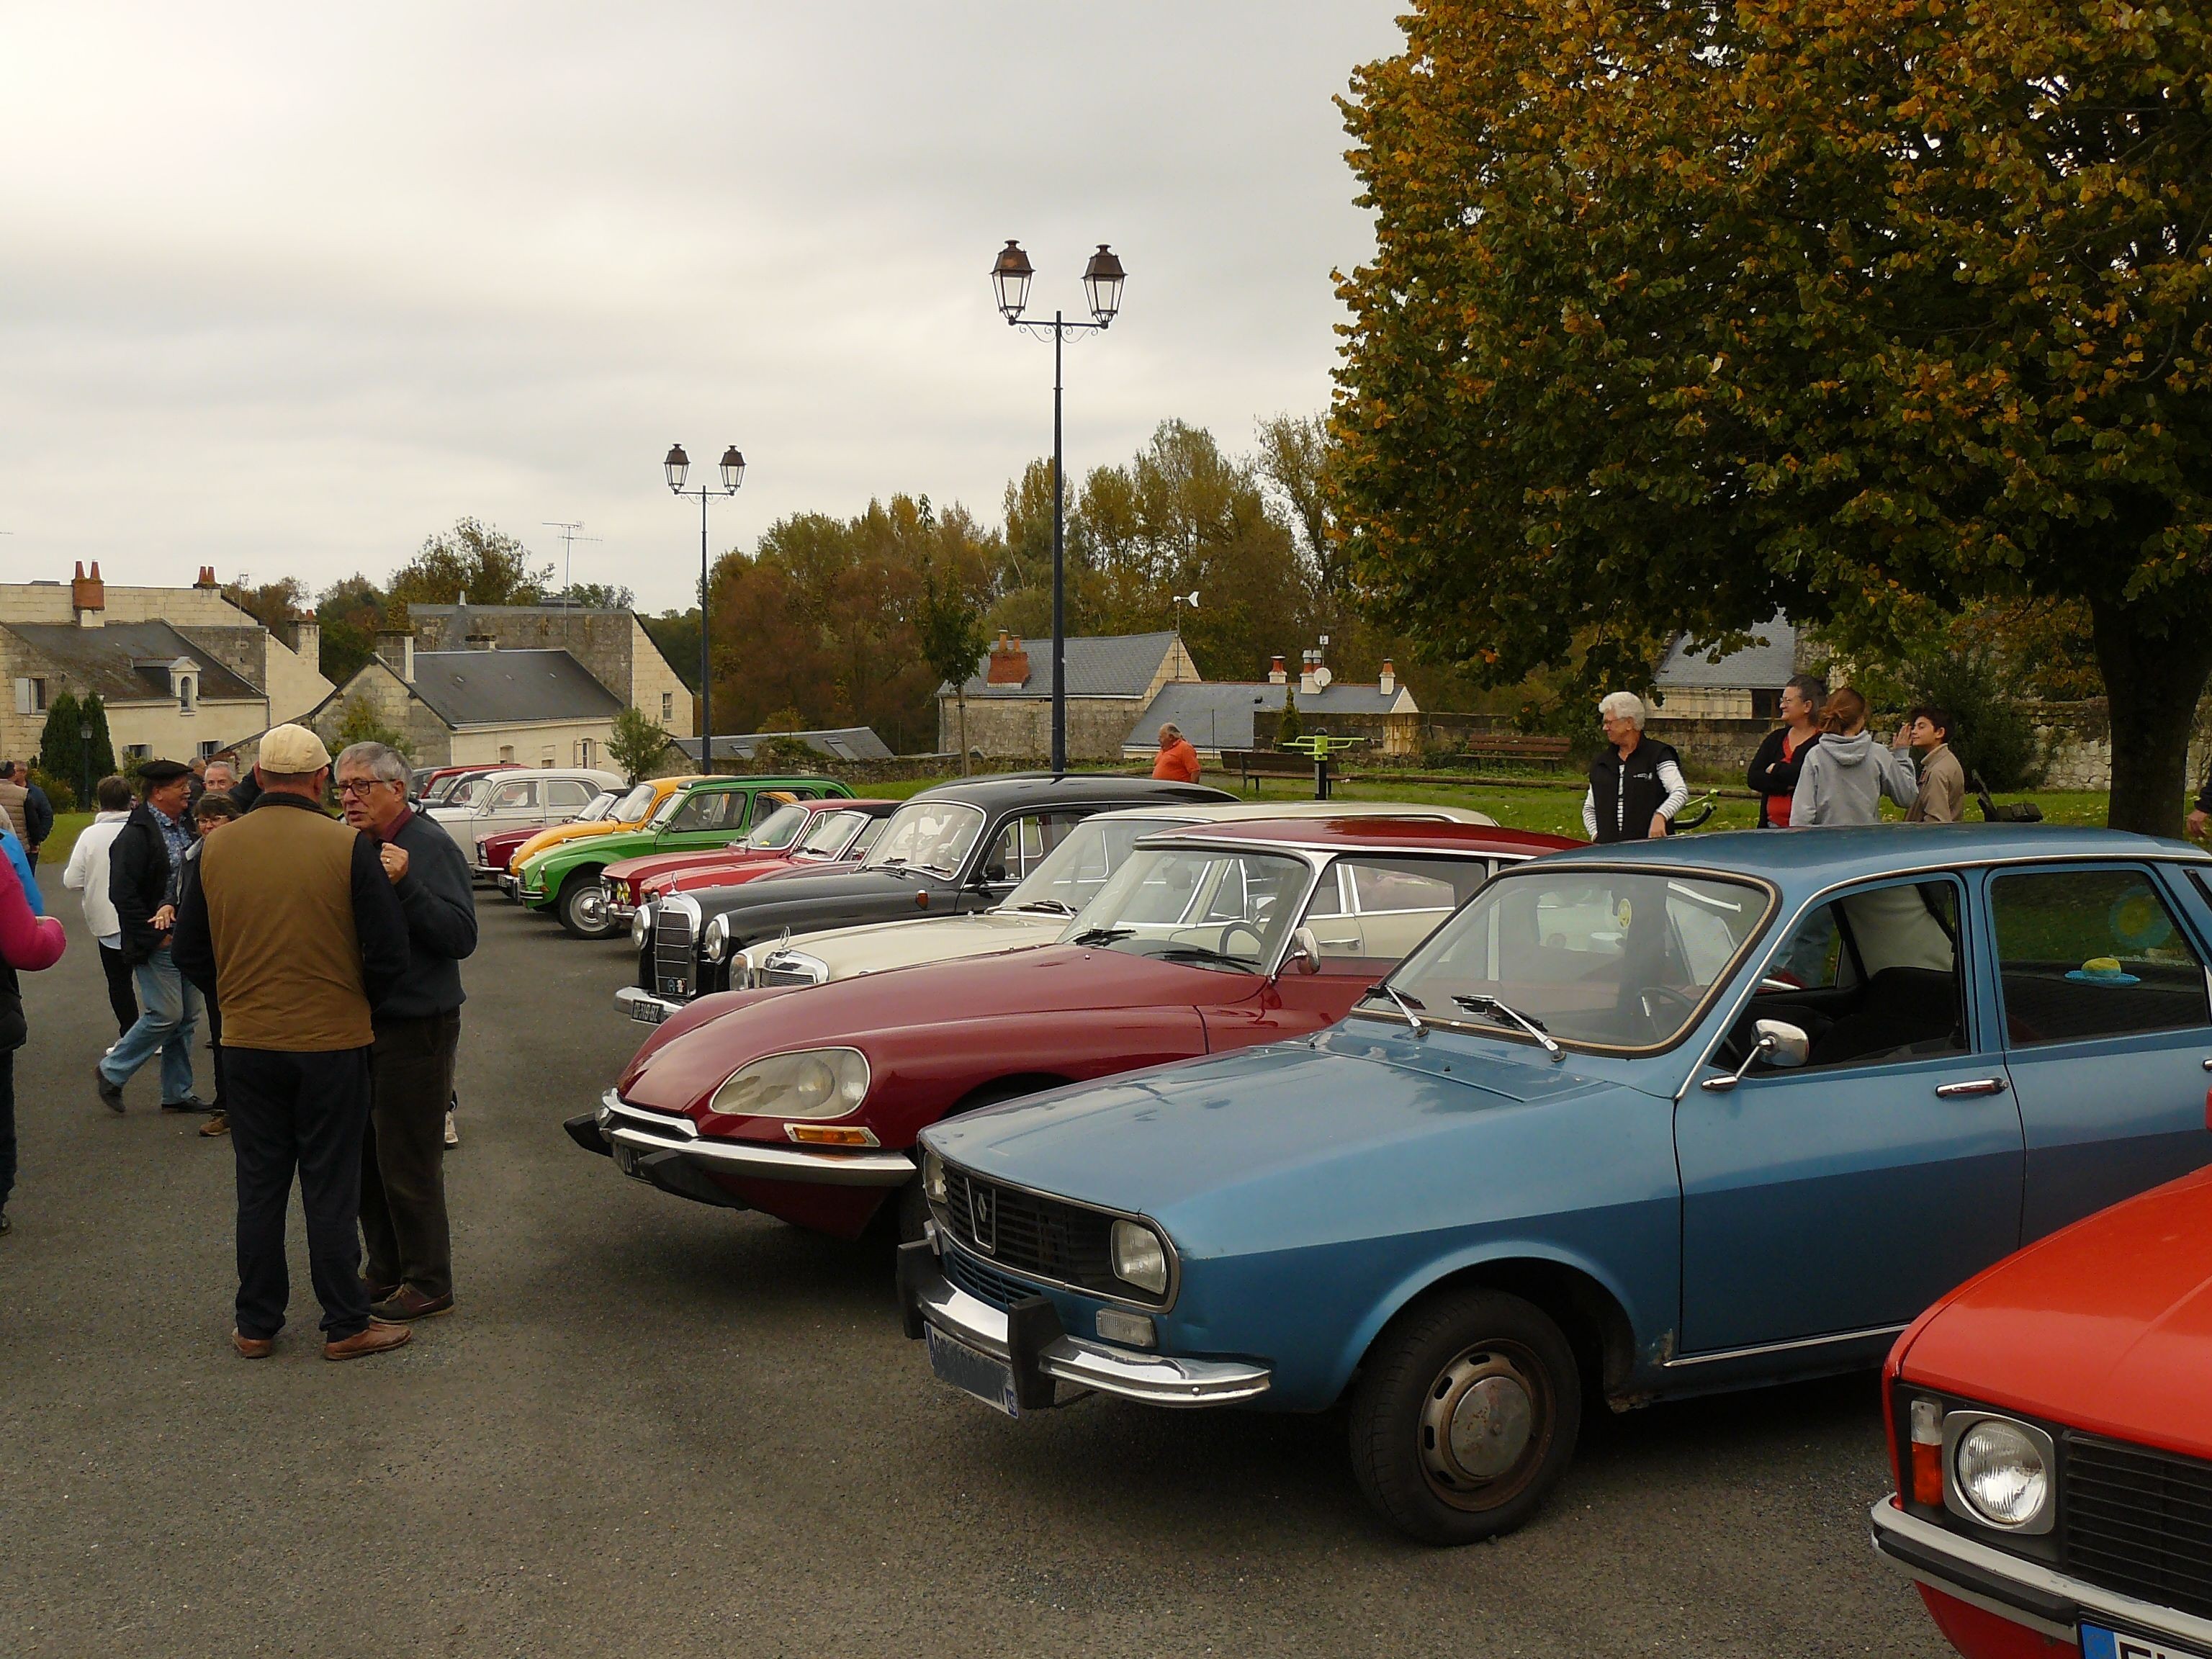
{"x": 292, "y": 751}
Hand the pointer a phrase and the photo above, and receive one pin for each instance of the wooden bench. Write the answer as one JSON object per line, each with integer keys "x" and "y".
{"x": 1252, "y": 764}
{"x": 1516, "y": 746}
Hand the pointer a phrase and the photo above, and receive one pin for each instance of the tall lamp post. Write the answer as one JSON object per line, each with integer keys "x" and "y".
{"x": 678, "y": 466}
{"x": 1102, "y": 286}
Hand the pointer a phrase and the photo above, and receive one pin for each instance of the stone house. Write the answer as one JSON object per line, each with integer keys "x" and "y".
{"x": 480, "y": 706}
{"x": 1232, "y": 714}
{"x": 1743, "y": 685}
{"x": 612, "y": 645}
{"x": 1110, "y": 679}
{"x": 181, "y": 671}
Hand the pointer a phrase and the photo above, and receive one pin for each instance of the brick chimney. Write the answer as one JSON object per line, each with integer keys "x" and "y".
{"x": 1277, "y": 674}
{"x": 207, "y": 582}
{"x": 1389, "y": 685}
{"x": 302, "y": 636}
{"x": 1309, "y": 666}
{"x": 89, "y": 597}
{"x": 395, "y": 650}
{"x": 1009, "y": 663}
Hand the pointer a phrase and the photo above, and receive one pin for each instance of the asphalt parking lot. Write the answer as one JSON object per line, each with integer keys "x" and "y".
{"x": 655, "y": 1428}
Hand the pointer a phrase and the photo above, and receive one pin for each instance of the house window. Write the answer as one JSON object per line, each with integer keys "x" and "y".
{"x": 584, "y": 751}
{"x": 545, "y": 755}
{"x": 507, "y": 754}
{"x": 139, "y": 752}
{"x": 188, "y": 693}
{"x": 30, "y": 696}
{"x": 207, "y": 749}
{"x": 1767, "y": 705}
{"x": 667, "y": 707}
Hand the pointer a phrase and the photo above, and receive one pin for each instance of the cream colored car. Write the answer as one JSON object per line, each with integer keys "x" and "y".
{"x": 1061, "y": 880}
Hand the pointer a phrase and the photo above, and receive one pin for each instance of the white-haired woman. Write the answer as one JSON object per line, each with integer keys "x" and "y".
{"x": 1636, "y": 784}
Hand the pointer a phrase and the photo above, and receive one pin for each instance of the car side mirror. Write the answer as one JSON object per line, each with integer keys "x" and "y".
{"x": 1782, "y": 1046}
{"x": 1304, "y": 951}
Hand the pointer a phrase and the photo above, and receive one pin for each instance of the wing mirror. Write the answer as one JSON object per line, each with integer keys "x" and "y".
{"x": 1305, "y": 951}
{"x": 1782, "y": 1046}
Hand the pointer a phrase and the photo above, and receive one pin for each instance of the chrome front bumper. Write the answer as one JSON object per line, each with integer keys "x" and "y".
{"x": 926, "y": 1296}
{"x": 641, "y": 1005}
{"x": 623, "y": 1125}
{"x": 2026, "y": 1592}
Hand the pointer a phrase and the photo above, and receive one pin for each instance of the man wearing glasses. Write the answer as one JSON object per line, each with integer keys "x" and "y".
{"x": 409, "y": 1273}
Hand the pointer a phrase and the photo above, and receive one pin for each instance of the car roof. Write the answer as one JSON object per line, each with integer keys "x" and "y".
{"x": 1240, "y": 811}
{"x": 1795, "y": 859}
{"x": 1043, "y": 789}
{"x": 1370, "y": 834}
{"x": 750, "y": 780}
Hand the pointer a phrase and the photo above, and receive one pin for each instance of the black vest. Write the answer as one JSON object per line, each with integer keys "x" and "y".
{"x": 1627, "y": 793}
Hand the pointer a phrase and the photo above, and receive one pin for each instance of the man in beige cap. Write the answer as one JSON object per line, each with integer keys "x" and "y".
{"x": 295, "y": 920}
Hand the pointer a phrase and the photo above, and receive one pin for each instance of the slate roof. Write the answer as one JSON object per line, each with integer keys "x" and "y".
{"x": 501, "y": 688}
{"x": 1101, "y": 665}
{"x": 854, "y": 743}
{"x": 104, "y": 659}
{"x": 1757, "y": 667}
{"x": 1222, "y": 714}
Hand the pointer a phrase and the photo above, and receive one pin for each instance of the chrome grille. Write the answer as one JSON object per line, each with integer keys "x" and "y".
{"x": 675, "y": 960}
{"x": 783, "y": 976}
{"x": 2139, "y": 1522}
{"x": 1027, "y": 1233}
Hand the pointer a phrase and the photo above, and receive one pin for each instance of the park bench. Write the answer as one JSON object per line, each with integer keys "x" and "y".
{"x": 1518, "y": 747}
{"x": 1252, "y": 764}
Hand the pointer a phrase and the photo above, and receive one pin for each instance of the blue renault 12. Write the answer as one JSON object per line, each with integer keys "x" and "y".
{"x": 1635, "y": 1122}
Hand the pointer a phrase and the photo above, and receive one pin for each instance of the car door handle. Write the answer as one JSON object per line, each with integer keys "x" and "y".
{"x": 1980, "y": 1085}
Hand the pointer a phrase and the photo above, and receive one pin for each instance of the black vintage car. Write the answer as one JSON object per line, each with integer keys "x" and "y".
{"x": 957, "y": 848}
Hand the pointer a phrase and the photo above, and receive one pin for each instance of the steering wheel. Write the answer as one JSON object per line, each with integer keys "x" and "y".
{"x": 1259, "y": 939}
{"x": 1664, "y": 995}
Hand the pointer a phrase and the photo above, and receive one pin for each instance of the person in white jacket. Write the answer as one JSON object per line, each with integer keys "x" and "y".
{"x": 86, "y": 873}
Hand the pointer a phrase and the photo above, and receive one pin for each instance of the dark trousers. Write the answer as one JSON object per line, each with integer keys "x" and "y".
{"x": 403, "y": 1165}
{"x": 308, "y": 1112}
{"x": 122, "y": 993}
{"x": 214, "y": 1045}
{"x": 6, "y": 1125}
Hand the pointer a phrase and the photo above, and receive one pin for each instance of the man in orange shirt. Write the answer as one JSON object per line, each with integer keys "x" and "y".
{"x": 1178, "y": 761}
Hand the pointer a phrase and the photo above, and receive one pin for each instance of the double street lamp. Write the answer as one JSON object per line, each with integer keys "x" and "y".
{"x": 1010, "y": 274}
{"x": 678, "y": 466}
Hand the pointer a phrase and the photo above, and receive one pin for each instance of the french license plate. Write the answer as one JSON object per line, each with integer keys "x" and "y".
{"x": 2098, "y": 1643}
{"x": 647, "y": 1013}
{"x": 626, "y": 1161}
{"x": 991, "y": 1380}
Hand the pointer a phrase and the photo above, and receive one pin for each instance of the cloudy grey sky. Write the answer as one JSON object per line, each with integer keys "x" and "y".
{"x": 284, "y": 287}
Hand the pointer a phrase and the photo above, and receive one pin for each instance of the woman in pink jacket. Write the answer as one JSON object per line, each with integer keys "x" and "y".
{"x": 28, "y": 942}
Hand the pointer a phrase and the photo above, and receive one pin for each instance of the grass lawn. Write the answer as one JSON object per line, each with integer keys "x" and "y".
{"x": 56, "y": 849}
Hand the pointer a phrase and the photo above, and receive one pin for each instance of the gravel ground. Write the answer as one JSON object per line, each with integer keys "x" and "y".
{"x": 653, "y": 1428}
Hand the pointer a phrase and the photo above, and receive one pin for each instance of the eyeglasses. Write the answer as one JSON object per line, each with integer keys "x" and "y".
{"x": 363, "y": 786}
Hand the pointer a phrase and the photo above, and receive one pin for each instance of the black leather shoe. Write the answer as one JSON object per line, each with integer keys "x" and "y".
{"x": 111, "y": 1094}
{"x": 6, "y": 1225}
{"x": 407, "y": 1302}
{"x": 189, "y": 1103}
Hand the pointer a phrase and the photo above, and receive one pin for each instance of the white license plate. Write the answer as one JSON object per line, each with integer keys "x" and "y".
{"x": 2098, "y": 1643}
{"x": 991, "y": 1380}
{"x": 647, "y": 1013}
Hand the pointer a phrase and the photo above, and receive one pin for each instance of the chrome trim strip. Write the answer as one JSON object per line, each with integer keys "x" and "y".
{"x": 1756, "y": 1349}
{"x": 1150, "y": 1379}
{"x": 745, "y": 1157}
{"x": 2166, "y": 1622}
{"x": 612, "y": 1105}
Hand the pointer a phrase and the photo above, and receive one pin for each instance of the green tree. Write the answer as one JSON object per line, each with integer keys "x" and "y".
{"x": 359, "y": 722}
{"x": 349, "y": 612}
{"x": 61, "y": 752}
{"x": 949, "y": 629}
{"x": 1681, "y": 315}
{"x": 637, "y": 744}
{"x": 270, "y": 604}
{"x": 100, "y": 750}
{"x": 486, "y": 564}
{"x": 677, "y": 635}
{"x": 1288, "y": 726}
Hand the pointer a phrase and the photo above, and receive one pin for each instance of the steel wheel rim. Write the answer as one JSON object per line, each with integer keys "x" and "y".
{"x": 1486, "y": 1425}
{"x": 591, "y": 907}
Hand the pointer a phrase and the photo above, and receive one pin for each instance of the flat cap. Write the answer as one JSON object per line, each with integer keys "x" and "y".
{"x": 292, "y": 751}
{"x": 161, "y": 771}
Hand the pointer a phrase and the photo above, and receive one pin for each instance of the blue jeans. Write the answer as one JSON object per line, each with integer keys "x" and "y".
{"x": 169, "y": 1013}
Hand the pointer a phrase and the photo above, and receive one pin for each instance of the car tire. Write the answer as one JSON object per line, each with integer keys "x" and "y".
{"x": 1465, "y": 1416}
{"x": 582, "y": 907}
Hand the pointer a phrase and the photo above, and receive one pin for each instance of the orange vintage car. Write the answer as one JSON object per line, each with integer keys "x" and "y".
{"x": 496, "y": 855}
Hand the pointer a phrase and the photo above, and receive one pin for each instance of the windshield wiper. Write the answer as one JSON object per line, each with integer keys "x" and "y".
{"x": 1101, "y": 935}
{"x": 1206, "y": 953}
{"x": 1405, "y": 1004}
{"x": 1053, "y": 906}
{"x": 1505, "y": 1011}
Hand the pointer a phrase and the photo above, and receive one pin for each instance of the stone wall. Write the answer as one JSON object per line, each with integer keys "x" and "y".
{"x": 1001, "y": 726}
{"x": 2077, "y": 744}
{"x": 612, "y": 645}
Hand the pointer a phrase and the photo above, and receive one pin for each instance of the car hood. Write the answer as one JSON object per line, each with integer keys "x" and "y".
{"x": 875, "y": 948}
{"x": 1175, "y": 1138}
{"x": 646, "y": 865}
{"x": 1066, "y": 979}
{"x": 558, "y": 833}
{"x": 2104, "y": 1326}
{"x": 602, "y": 848}
{"x": 861, "y": 886}
{"x": 709, "y": 877}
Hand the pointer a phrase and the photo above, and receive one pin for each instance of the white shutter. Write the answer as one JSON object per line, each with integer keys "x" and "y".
{"x": 25, "y": 703}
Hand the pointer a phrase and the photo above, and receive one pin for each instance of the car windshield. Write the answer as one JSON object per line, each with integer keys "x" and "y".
{"x": 467, "y": 792}
{"x": 778, "y": 829}
{"x": 828, "y": 834}
{"x": 1073, "y": 872}
{"x": 1607, "y": 958}
{"x": 631, "y": 807}
{"x": 1226, "y": 910}
{"x": 596, "y": 808}
{"x": 667, "y": 809}
{"x": 928, "y": 835}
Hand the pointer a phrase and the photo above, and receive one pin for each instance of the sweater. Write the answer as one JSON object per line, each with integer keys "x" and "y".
{"x": 26, "y": 942}
{"x": 86, "y": 872}
{"x": 1844, "y": 780}
{"x": 1942, "y": 794}
{"x": 439, "y": 898}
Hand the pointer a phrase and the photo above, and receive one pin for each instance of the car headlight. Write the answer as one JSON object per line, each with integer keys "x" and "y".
{"x": 1140, "y": 1257}
{"x": 933, "y": 1176}
{"x": 640, "y": 927}
{"x": 717, "y": 942}
{"x": 812, "y": 1083}
{"x": 2001, "y": 1470}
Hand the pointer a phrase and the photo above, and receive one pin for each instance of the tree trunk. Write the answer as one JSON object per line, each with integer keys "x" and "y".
{"x": 2155, "y": 666}
{"x": 960, "y": 701}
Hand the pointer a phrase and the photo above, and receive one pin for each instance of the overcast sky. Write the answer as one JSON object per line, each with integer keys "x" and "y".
{"x": 284, "y": 287}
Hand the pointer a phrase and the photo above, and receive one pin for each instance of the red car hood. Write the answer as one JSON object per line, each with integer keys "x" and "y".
{"x": 2105, "y": 1326}
{"x": 731, "y": 875}
{"x": 501, "y": 847}
{"x": 661, "y": 864}
{"x": 681, "y": 1072}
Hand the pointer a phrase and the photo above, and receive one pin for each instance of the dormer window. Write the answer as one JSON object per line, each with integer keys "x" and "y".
{"x": 188, "y": 692}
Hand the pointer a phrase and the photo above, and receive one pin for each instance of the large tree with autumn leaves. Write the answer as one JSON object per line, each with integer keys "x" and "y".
{"x": 1682, "y": 313}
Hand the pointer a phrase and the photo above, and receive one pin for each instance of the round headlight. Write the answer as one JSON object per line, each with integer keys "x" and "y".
{"x": 640, "y": 927}
{"x": 2001, "y": 1472}
{"x": 1140, "y": 1257}
{"x": 813, "y": 1083}
{"x": 715, "y": 943}
{"x": 933, "y": 1176}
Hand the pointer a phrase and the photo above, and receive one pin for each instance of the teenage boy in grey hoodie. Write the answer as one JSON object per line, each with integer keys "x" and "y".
{"x": 1848, "y": 773}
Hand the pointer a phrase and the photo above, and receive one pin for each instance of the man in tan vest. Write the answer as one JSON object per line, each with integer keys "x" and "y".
{"x": 294, "y": 924}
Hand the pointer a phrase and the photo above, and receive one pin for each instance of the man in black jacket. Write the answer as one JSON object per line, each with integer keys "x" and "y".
{"x": 142, "y": 868}
{"x": 38, "y": 811}
{"x": 1636, "y": 783}
{"x": 418, "y": 1031}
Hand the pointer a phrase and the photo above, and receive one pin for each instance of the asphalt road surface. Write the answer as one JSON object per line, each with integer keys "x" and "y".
{"x": 652, "y": 1428}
